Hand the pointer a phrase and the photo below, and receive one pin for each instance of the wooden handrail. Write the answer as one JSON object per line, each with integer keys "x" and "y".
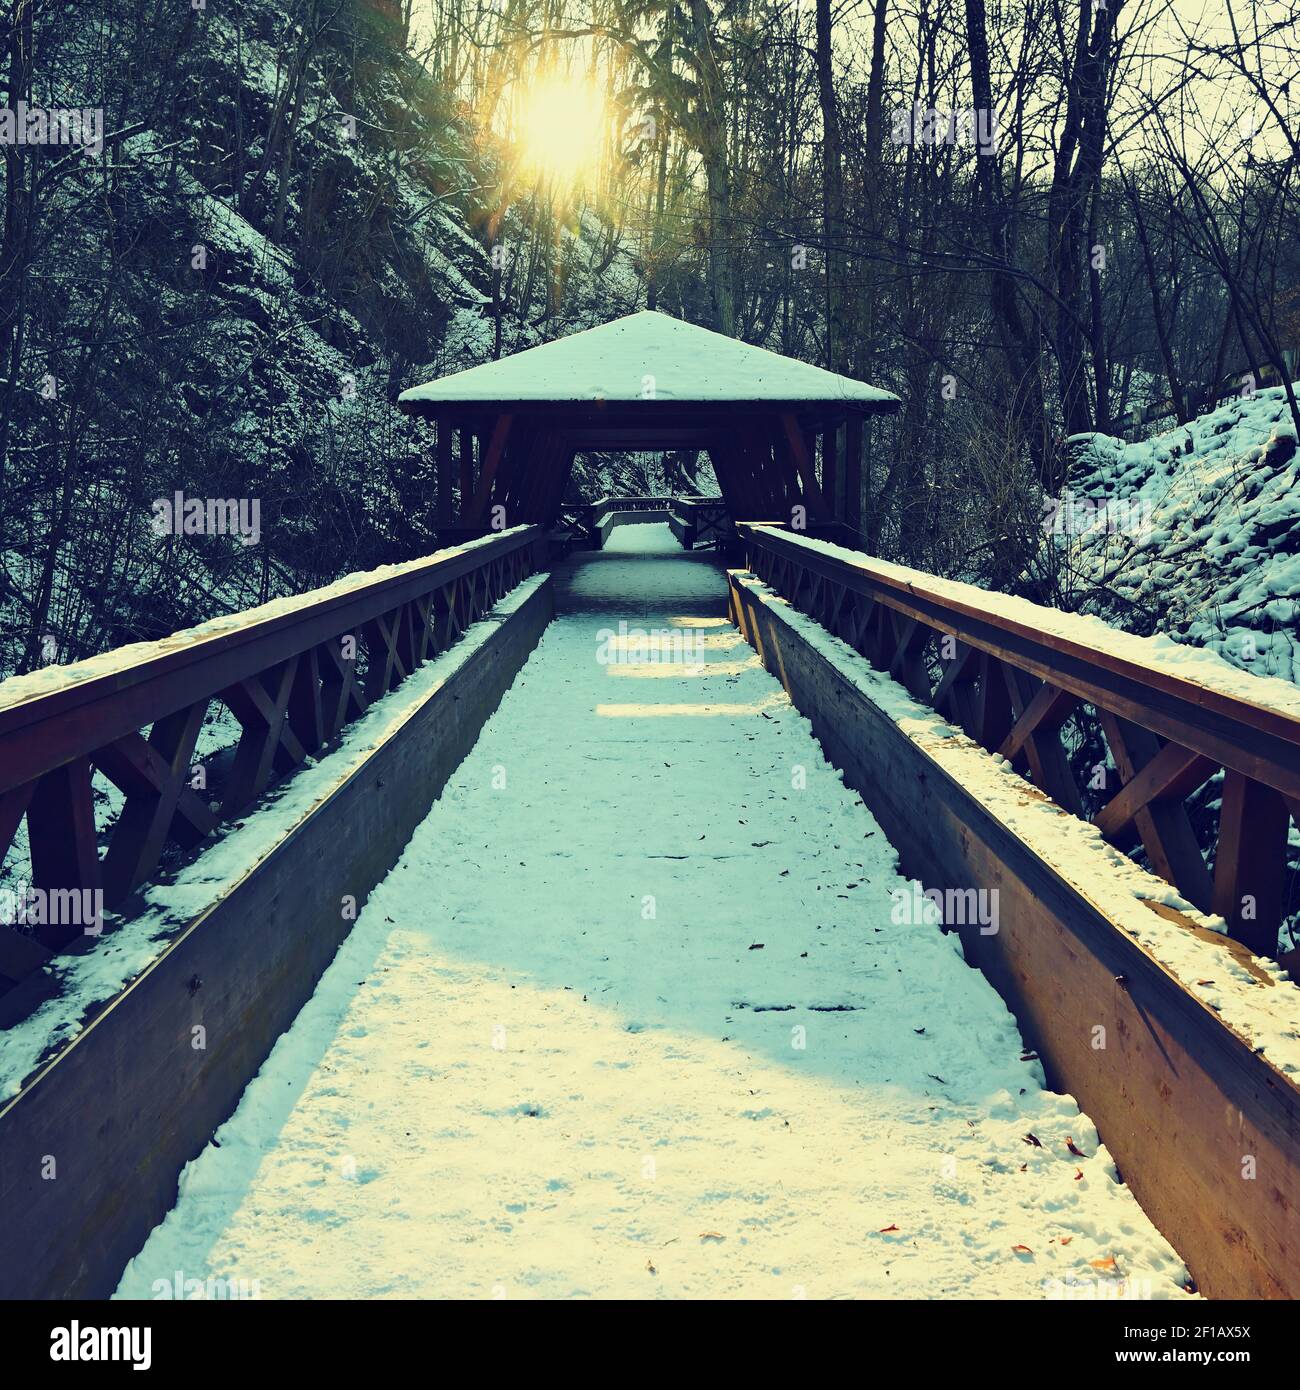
{"x": 290, "y": 672}
{"x": 101, "y": 698}
{"x": 1012, "y": 684}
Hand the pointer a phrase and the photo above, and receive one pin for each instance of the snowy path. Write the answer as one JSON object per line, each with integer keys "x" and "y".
{"x": 631, "y": 1018}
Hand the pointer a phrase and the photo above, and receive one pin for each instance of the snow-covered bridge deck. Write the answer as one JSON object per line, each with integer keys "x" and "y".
{"x": 641, "y": 1004}
{"x": 644, "y": 1010}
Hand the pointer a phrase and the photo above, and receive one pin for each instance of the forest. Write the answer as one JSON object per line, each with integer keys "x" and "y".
{"x": 235, "y": 230}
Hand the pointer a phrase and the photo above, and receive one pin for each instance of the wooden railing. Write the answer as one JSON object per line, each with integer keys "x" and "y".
{"x": 292, "y": 673}
{"x": 700, "y": 521}
{"x": 1013, "y": 687}
{"x": 584, "y": 523}
{"x": 642, "y": 502}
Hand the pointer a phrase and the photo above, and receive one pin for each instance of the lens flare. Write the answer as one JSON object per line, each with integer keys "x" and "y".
{"x": 560, "y": 125}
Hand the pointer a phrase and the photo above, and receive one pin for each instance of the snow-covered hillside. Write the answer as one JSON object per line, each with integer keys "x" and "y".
{"x": 1194, "y": 533}
{"x": 288, "y": 227}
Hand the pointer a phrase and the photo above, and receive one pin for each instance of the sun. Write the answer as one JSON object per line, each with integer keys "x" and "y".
{"x": 560, "y": 125}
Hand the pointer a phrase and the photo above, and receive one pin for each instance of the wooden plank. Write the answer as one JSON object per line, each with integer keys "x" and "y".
{"x": 992, "y": 707}
{"x": 341, "y": 697}
{"x": 1048, "y": 764}
{"x": 906, "y": 664}
{"x": 1177, "y": 1096}
{"x": 266, "y": 741}
{"x": 155, "y": 776}
{"x": 1173, "y": 774}
{"x": 306, "y": 710}
{"x": 1047, "y": 710}
{"x": 956, "y": 685}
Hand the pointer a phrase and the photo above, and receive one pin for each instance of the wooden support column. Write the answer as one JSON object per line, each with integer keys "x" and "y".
{"x": 724, "y": 465}
{"x": 513, "y": 475}
{"x": 830, "y": 471}
{"x": 65, "y": 856}
{"x": 1250, "y": 864}
{"x": 784, "y": 477}
{"x": 565, "y": 453}
{"x": 537, "y": 483}
{"x": 803, "y": 463}
{"x": 466, "y": 472}
{"x": 491, "y": 462}
{"x": 445, "y": 473}
{"x": 853, "y": 472}
{"x": 751, "y": 456}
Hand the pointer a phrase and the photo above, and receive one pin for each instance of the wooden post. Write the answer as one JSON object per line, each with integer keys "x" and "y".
{"x": 803, "y": 462}
{"x": 830, "y": 473}
{"x": 445, "y": 474}
{"x": 65, "y": 855}
{"x": 1250, "y": 863}
{"x": 853, "y": 472}
{"x": 491, "y": 462}
{"x": 466, "y": 472}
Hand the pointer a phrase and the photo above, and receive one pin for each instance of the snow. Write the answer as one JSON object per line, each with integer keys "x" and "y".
{"x": 109, "y": 964}
{"x": 647, "y": 356}
{"x": 559, "y": 1054}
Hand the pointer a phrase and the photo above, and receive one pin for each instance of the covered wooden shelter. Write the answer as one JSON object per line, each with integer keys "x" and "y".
{"x": 508, "y": 431}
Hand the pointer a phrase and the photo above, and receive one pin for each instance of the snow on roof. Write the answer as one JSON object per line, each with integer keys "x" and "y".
{"x": 647, "y": 356}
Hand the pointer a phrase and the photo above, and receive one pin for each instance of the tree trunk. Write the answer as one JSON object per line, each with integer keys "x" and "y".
{"x": 832, "y": 192}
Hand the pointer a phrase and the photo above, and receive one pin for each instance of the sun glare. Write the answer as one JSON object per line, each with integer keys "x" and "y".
{"x": 560, "y": 125}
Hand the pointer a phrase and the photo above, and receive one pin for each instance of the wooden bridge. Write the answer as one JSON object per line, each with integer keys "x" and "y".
{"x": 185, "y": 904}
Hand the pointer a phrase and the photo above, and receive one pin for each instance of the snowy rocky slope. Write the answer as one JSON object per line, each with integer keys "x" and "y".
{"x": 1194, "y": 533}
